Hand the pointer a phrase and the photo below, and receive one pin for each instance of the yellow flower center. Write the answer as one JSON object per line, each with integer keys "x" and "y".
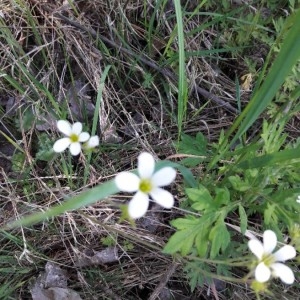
{"x": 268, "y": 259}
{"x": 145, "y": 186}
{"x": 74, "y": 138}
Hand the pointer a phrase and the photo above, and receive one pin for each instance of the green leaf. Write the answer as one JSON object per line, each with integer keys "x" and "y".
{"x": 220, "y": 239}
{"x": 201, "y": 197}
{"x": 243, "y": 219}
{"x": 27, "y": 120}
{"x": 195, "y": 146}
{"x": 45, "y": 152}
{"x": 269, "y": 213}
{"x": 183, "y": 223}
{"x": 188, "y": 230}
{"x": 202, "y": 242}
{"x": 238, "y": 184}
{"x": 222, "y": 197}
{"x": 197, "y": 272}
{"x": 199, "y": 194}
{"x": 45, "y": 155}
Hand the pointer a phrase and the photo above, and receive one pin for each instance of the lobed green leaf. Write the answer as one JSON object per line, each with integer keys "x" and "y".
{"x": 220, "y": 239}
{"x": 190, "y": 231}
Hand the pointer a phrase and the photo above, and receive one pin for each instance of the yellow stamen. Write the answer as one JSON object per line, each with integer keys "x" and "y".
{"x": 268, "y": 259}
{"x": 145, "y": 186}
{"x": 74, "y": 138}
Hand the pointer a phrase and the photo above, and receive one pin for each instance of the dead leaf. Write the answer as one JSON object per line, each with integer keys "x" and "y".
{"x": 247, "y": 81}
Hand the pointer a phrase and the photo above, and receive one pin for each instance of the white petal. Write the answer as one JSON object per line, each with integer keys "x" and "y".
{"x": 127, "y": 182}
{"x": 93, "y": 142}
{"x": 138, "y": 205}
{"x": 164, "y": 176}
{"x": 84, "y": 136}
{"x": 64, "y": 127}
{"x": 146, "y": 165}
{"x": 283, "y": 272}
{"x": 256, "y": 248}
{"x": 75, "y": 148}
{"x": 61, "y": 145}
{"x": 285, "y": 253}
{"x": 270, "y": 241}
{"x": 262, "y": 273}
{"x": 77, "y": 128}
{"x": 162, "y": 197}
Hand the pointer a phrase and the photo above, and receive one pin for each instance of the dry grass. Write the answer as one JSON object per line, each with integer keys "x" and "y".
{"x": 56, "y": 55}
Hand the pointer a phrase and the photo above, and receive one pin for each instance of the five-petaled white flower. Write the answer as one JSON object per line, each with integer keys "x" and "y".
{"x": 147, "y": 183}
{"x": 74, "y": 134}
{"x": 298, "y": 199}
{"x": 269, "y": 263}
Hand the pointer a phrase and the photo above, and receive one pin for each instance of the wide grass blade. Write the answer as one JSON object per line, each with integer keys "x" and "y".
{"x": 284, "y": 156}
{"x": 85, "y": 198}
{"x": 286, "y": 59}
{"x": 93, "y": 195}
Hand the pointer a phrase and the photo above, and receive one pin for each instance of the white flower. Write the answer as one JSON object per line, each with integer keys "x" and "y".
{"x": 147, "y": 183}
{"x": 92, "y": 142}
{"x": 298, "y": 200}
{"x": 74, "y": 137}
{"x": 269, "y": 263}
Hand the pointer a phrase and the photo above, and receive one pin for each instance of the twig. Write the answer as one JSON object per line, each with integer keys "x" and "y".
{"x": 164, "y": 280}
{"x": 214, "y": 291}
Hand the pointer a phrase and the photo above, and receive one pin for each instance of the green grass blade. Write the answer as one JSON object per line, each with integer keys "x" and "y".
{"x": 34, "y": 83}
{"x": 286, "y": 59}
{"x": 10, "y": 140}
{"x": 201, "y": 53}
{"x": 14, "y": 83}
{"x": 268, "y": 160}
{"x": 151, "y": 27}
{"x": 96, "y": 117}
{"x": 182, "y": 84}
{"x": 91, "y": 196}
{"x": 85, "y": 198}
{"x": 217, "y": 17}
